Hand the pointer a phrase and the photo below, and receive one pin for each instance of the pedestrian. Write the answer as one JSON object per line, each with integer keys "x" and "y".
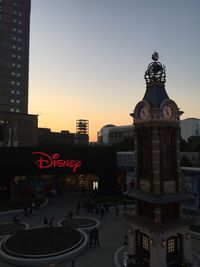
{"x": 125, "y": 240}
{"x": 96, "y": 237}
{"x": 71, "y": 215}
{"x": 25, "y": 211}
{"x": 116, "y": 211}
{"x": 91, "y": 239}
{"x": 45, "y": 222}
{"x": 17, "y": 218}
{"x": 33, "y": 206}
{"x": 78, "y": 207}
{"x": 51, "y": 222}
{"x": 73, "y": 263}
{"x": 125, "y": 207}
{"x": 102, "y": 213}
{"x": 31, "y": 211}
{"x": 106, "y": 207}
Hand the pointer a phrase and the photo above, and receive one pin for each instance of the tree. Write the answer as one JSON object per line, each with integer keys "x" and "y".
{"x": 193, "y": 144}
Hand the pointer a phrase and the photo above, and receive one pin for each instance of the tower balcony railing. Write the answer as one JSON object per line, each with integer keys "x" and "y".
{"x": 131, "y": 216}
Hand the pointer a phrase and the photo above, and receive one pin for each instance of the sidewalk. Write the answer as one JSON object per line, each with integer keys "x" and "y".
{"x": 111, "y": 232}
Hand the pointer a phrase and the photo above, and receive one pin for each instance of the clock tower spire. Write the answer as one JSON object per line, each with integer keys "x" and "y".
{"x": 159, "y": 234}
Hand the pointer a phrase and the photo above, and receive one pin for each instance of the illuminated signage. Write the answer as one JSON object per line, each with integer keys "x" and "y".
{"x": 49, "y": 161}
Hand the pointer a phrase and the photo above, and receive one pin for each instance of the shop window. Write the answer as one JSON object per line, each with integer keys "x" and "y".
{"x": 171, "y": 245}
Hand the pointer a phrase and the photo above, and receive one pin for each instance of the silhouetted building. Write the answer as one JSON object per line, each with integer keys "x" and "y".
{"x": 47, "y": 137}
{"x": 14, "y": 69}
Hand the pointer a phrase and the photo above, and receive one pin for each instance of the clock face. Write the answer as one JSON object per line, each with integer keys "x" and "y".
{"x": 167, "y": 112}
{"x": 144, "y": 113}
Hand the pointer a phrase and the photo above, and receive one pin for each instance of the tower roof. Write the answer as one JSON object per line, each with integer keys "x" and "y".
{"x": 155, "y": 95}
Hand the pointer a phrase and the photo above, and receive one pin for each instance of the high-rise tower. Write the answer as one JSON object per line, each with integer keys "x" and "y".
{"x": 17, "y": 127}
{"x": 158, "y": 234}
{"x": 14, "y": 55}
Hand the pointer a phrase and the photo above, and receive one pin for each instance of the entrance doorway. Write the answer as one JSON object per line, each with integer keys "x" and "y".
{"x": 142, "y": 249}
{"x": 174, "y": 251}
{"x": 80, "y": 183}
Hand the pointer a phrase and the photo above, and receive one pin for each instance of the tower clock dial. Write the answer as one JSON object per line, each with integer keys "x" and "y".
{"x": 167, "y": 112}
{"x": 144, "y": 113}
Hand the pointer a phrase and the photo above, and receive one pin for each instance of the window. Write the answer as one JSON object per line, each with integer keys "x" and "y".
{"x": 14, "y": 38}
{"x": 171, "y": 245}
{"x": 17, "y": 101}
{"x": 18, "y": 92}
{"x": 12, "y": 100}
{"x": 14, "y": 29}
{"x": 12, "y": 82}
{"x": 12, "y": 91}
{"x": 13, "y": 64}
{"x": 18, "y": 74}
{"x": 13, "y": 55}
{"x": 145, "y": 242}
{"x": 18, "y": 83}
{"x": 20, "y": 22}
{"x": 13, "y": 73}
{"x": 17, "y": 110}
{"x": 14, "y": 20}
{"x": 19, "y": 57}
{"x": 19, "y": 66}
{"x": 12, "y": 110}
{"x": 14, "y": 47}
{"x": 19, "y": 48}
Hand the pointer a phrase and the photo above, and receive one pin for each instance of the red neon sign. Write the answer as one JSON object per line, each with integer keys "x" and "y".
{"x": 47, "y": 161}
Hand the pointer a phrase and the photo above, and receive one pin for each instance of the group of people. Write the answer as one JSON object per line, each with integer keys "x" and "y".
{"x": 94, "y": 238}
{"x": 50, "y": 222}
{"x": 17, "y": 218}
{"x": 28, "y": 211}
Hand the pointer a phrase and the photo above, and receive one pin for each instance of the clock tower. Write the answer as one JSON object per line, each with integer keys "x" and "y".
{"x": 158, "y": 233}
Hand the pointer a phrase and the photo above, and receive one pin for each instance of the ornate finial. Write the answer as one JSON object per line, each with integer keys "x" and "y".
{"x": 155, "y": 56}
{"x": 155, "y": 73}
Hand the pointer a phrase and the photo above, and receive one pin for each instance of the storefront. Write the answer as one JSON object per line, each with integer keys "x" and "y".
{"x": 62, "y": 168}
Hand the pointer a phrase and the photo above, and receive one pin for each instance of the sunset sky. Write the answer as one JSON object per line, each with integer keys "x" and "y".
{"x": 88, "y": 58}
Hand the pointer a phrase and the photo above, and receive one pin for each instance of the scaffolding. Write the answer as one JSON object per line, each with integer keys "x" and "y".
{"x": 82, "y": 126}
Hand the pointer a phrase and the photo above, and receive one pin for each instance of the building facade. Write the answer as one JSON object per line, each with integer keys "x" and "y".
{"x": 158, "y": 234}
{"x": 111, "y": 134}
{"x": 14, "y": 55}
{"x": 191, "y": 184}
{"x": 14, "y": 69}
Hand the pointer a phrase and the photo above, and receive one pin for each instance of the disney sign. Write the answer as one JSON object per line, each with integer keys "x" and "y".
{"x": 49, "y": 161}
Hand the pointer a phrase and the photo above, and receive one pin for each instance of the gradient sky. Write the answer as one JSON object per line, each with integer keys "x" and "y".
{"x": 88, "y": 58}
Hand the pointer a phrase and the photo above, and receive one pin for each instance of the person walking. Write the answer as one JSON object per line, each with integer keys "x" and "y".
{"x": 117, "y": 212}
{"x": 91, "y": 239}
{"x": 51, "y": 222}
{"x": 102, "y": 213}
{"x": 71, "y": 215}
{"x": 78, "y": 208}
{"x": 96, "y": 237}
{"x": 45, "y": 222}
{"x": 73, "y": 263}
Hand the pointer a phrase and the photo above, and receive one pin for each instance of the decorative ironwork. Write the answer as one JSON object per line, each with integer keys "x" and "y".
{"x": 155, "y": 72}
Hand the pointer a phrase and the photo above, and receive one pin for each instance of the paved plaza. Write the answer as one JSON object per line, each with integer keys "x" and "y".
{"x": 111, "y": 231}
